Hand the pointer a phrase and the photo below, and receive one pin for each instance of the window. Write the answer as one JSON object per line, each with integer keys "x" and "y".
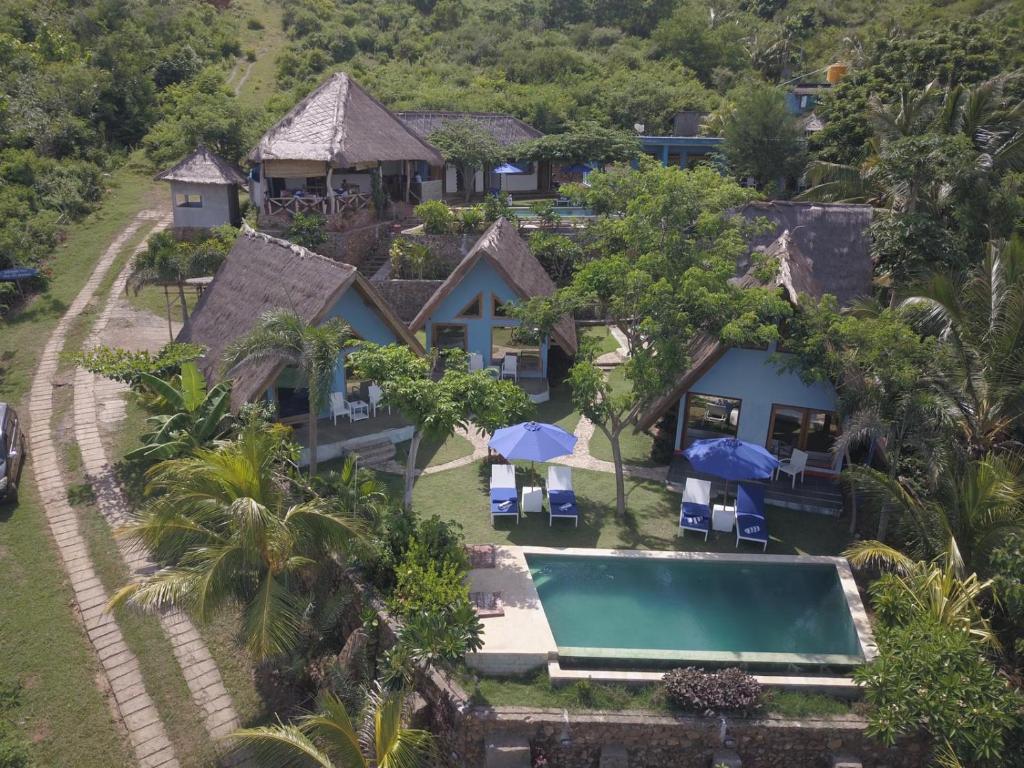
{"x": 804, "y": 428}
{"x": 188, "y": 200}
{"x": 473, "y": 309}
{"x": 503, "y": 343}
{"x": 498, "y": 308}
{"x": 316, "y": 185}
{"x": 355, "y": 387}
{"x": 448, "y": 336}
{"x": 710, "y": 416}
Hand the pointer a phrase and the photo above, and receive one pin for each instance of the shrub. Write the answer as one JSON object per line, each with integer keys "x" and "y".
{"x": 126, "y": 366}
{"x": 496, "y": 206}
{"x": 411, "y": 260}
{"x": 727, "y": 690}
{"x": 308, "y": 230}
{"x": 254, "y": 24}
{"x": 471, "y": 219}
{"x": 438, "y": 218}
{"x": 250, "y": 55}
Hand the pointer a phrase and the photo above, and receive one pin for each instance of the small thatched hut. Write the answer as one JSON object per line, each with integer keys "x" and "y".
{"x": 204, "y": 190}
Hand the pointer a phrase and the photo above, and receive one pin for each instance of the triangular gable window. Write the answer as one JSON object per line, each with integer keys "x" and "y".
{"x": 499, "y": 307}
{"x": 473, "y": 309}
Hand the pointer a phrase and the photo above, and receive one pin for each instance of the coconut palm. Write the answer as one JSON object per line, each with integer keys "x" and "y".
{"x": 331, "y": 740}
{"x": 980, "y": 383}
{"x": 281, "y": 336}
{"x": 967, "y": 513}
{"x": 934, "y": 588}
{"x": 229, "y": 521}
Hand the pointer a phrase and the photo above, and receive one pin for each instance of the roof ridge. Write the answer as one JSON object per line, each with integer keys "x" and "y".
{"x": 295, "y": 248}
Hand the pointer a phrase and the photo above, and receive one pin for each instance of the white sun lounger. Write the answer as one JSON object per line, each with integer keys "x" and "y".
{"x": 561, "y": 497}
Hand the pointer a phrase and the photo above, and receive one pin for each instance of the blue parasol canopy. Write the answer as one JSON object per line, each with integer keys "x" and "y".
{"x": 507, "y": 168}
{"x": 731, "y": 459}
{"x": 577, "y": 168}
{"x": 532, "y": 441}
{"x": 17, "y": 273}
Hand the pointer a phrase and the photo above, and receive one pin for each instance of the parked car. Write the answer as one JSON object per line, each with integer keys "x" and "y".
{"x": 12, "y": 452}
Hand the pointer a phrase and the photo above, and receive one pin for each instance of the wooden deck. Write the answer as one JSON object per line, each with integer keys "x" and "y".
{"x": 815, "y": 494}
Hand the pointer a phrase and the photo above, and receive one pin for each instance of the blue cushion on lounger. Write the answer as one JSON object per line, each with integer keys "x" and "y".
{"x": 752, "y": 527}
{"x": 562, "y": 503}
{"x": 696, "y": 516}
{"x": 750, "y": 500}
{"x": 504, "y": 501}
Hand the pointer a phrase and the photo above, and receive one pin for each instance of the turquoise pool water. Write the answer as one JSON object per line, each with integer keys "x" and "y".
{"x": 565, "y": 212}
{"x": 700, "y": 610}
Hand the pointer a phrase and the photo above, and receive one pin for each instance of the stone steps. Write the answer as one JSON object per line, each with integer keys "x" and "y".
{"x": 507, "y": 751}
{"x": 375, "y": 454}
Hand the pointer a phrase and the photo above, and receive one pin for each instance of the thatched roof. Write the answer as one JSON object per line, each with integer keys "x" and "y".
{"x": 342, "y": 124}
{"x": 509, "y": 254}
{"x": 820, "y": 248}
{"x": 505, "y": 129}
{"x": 204, "y": 167}
{"x": 262, "y": 273}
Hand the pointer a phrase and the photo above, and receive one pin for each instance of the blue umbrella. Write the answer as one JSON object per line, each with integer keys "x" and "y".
{"x": 731, "y": 459}
{"x": 507, "y": 168}
{"x": 577, "y": 168}
{"x": 532, "y": 441}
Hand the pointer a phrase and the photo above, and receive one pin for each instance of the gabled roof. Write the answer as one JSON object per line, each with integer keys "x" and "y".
{"x": 820, "y": 248}
{"x": 204, "y": 167}
{"x": 262, "y": 273}
{"x": 505, "y": 129}
{"x": 508, "y": 253}
{"x": 340, "y": 123}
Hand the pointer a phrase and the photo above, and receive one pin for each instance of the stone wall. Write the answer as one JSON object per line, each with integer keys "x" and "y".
{"x": 661, "y": 741}
{"x": 354, "y": 246}
{"x": 448, "y": 249}
{"x": 406, "y": 297}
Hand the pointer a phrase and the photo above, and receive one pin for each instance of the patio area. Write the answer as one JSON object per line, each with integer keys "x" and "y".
{"x": 815, "y": 494}
{"x": 337, "y": 439}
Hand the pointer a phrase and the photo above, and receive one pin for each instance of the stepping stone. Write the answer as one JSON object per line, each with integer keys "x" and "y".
{"x": 508, "y": 751}
{"x": 846, "y": 761}
{"x": 726, "y": 757}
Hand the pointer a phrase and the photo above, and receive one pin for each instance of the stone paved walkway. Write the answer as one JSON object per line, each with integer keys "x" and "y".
{"x": 139, "y": 715}
{"x": 99, "y": 403}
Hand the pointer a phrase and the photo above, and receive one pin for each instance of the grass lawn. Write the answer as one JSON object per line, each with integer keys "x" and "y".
{"x": 652, "y": 517}
{"x": 22, "y": 333}
{"x": 558, "y": 409}
{"x": 61, "y": 712}
{"x": 537, "y": 691}
{"x": 260, "y": 79}
{"x": 434, "y": 452}
{"x": 635, "y": 447}
{"x": 600, "y": 335}
{"x": 151, "y": 299}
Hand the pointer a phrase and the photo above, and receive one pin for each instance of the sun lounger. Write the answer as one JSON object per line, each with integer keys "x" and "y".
{"x": 504, "y": 498}
{"x": 695, "y": 508}
{"x": 561, "y": 497}
{"x": 750, "y": 520}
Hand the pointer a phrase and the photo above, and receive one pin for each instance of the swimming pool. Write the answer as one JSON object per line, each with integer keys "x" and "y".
{"x": 564, "y": 212}
{"x": 667, "y": 608}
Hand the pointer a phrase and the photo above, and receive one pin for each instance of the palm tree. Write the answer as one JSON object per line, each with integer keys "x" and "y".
{"x": 227, "y": 517}
{"x": 980, "y": 384}
{"x": 282, "y": 336}
{"x": 966, "y": 514}
{"x": 928, "y": 588}
{"x": 331, "y": 740}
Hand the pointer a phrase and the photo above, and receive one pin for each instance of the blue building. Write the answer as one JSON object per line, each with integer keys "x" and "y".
{"x": 262, "y": 273}
{"x": 468, "y": 310}
{"x": 681, "y": 151}
{"x": 748, "y": 393}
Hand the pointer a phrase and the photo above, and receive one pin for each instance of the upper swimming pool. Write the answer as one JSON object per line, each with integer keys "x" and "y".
{"x": 564, "y": 212}
{"x": 763, "y": 611}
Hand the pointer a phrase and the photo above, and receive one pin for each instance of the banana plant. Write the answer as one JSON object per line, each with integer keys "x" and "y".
{"x": 190, "y": 415}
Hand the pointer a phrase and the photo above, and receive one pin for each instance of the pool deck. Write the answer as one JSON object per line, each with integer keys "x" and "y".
{"x": 521, "y": 640}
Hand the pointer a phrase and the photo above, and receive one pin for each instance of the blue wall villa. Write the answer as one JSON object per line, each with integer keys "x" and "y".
{"x": 263, "y": 273}
{"x": 750, "y": 393}
{"x": 466, "y": 311}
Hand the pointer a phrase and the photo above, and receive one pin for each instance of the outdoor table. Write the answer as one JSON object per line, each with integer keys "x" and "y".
{"x": 360, "y": 410}
{"x": 723, "y": 517}
{"x": 533, "y": 499}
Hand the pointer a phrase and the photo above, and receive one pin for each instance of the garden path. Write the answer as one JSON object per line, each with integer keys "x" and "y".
{"x": 99, "y": 404}
{"x": 146, "y": 733}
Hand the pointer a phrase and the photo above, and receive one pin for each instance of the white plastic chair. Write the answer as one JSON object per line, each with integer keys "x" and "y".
{"x": 376, "y": 394}
{"x": 476, "y": 362}
{"x": 793, "y": 466}
{"x": 342, "y": 407}
{"x": 510, "y": 367}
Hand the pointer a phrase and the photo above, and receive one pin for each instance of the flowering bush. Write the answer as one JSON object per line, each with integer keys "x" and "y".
{"x": 727, "y": 690}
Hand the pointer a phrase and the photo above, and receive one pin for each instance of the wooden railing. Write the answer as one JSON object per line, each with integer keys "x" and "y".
{"x": 315, "y": 204}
